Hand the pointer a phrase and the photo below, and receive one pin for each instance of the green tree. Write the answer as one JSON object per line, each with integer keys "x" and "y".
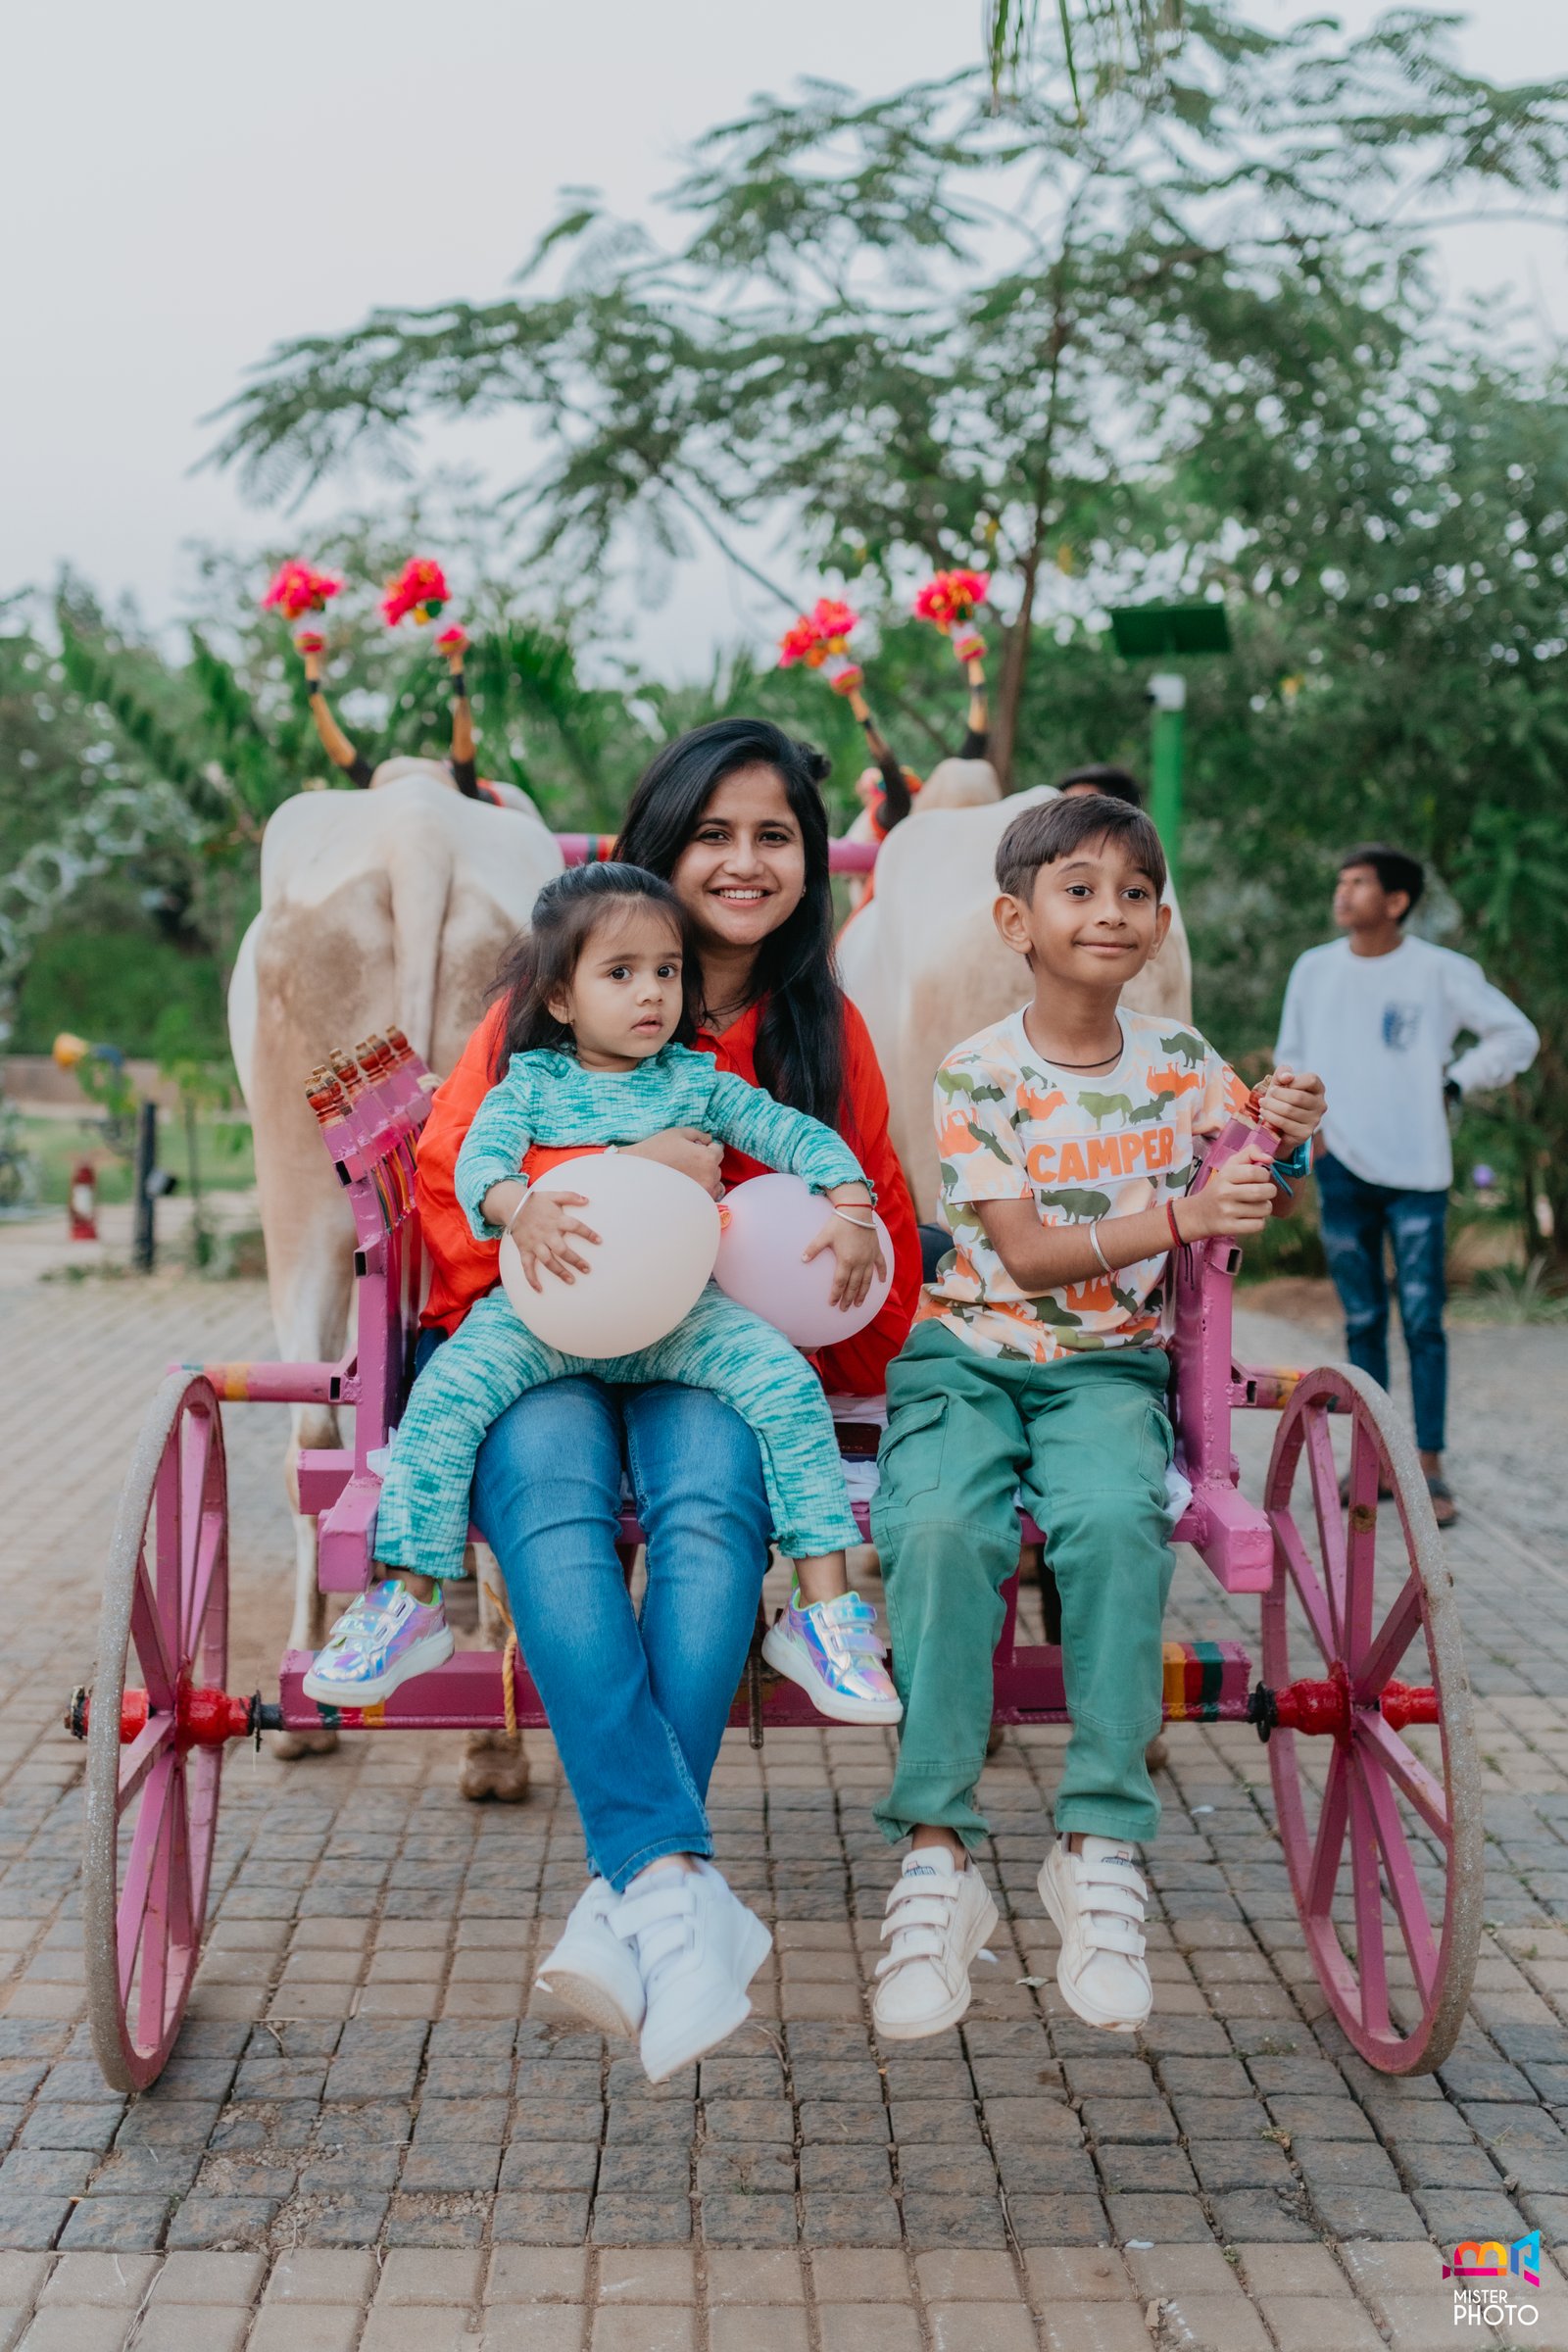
{"x": 909, "y": 332}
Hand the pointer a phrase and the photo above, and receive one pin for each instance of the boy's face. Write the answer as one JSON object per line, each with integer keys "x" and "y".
{"x": 1361, "y": 901}
{"x": 1093, "y": 918}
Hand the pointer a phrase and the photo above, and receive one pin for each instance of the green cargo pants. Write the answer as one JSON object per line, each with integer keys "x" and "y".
{"x": 1087, "y": 1439}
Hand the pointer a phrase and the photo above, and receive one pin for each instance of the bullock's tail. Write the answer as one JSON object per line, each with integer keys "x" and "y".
{"x": 419, "y": 873}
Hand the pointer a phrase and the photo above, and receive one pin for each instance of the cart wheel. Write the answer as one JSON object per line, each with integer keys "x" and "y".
{"x": 1393, "y": 1929}
{"x": 152, "y": 1801}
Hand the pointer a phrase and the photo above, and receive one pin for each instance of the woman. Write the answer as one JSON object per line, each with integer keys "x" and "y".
{"x": 732, "y": 816}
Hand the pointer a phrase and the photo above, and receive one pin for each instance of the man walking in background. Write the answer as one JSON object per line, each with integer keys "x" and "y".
{"x": 1377, "y": 1014}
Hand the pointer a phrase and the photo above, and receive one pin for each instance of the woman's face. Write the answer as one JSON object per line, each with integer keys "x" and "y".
{"x": 742, "y": 871}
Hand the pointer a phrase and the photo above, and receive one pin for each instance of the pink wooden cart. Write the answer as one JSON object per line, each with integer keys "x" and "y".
{"x": 1383, "y": 1836}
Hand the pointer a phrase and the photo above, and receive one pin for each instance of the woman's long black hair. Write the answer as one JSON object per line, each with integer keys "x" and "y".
{"x": 543, "y": 961}
{"x": 799, "y": 1038}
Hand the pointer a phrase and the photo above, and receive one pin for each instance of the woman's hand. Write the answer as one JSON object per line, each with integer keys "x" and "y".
{"x": 854, "y": 1246}
{"x": 544, "y": 1229}
{"x": 1291, "y": 1103}
{"x": 1238, "y": 1199}
{"x": 686, "y": 1150}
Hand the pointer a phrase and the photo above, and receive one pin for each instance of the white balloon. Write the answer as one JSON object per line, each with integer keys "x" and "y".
{"x": 658, "y": 1240}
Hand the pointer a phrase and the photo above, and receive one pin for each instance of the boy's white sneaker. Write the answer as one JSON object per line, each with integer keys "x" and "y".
{"x": 939, "y": 1915}
{"x": 698, "y": 1948}
{"x": 592, "y": 1968}
{"x": 1097, "y": 1898}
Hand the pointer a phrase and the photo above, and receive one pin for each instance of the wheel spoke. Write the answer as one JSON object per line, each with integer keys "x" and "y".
{"x": 1361, "y": 1537}
{"x": 130, "y": 1918}
{"x": 1330, "y": 1841}
{"x": 147, "y": 1633}
{"x": 1371, "y": 1955}
{"x": 1330, "y": 1524}
{"x": 168, "y": 1914}
{"x": 1405, "y": 1768}
{"x": 169, "y": 1525}
{"x": 1398, "y": 1871}
{"x": 199, "y": 1585}
{"x": 1308, "y": 1592}
{"x": 137, "y": 1760}
{"x": 1387, "y": 1647}
{"x": 196, "y": 1454}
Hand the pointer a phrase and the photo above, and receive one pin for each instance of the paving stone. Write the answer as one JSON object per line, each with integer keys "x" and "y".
{"x": 1317, "y": 2324}
{"x": 117, "y": 2224}
{"x": 834, "y": 2220}
{"x": 118, "y": 2282}
{"x": 539, "y": 2219}
{"x": 64, "y": 2330}
{"x": 1093, "y": 2327}
{"x": 222, "y": 2223}
{"x": 1263, "y": 2214}
{"x": 755, "y": 2276}
{"x": 28, "y": 2222}
{"x": 173, "y": 2327}
{"x": 780, "y": 2329}
{"x": 349, "y": 2219}
{"x": 562, "y": 2164}
{"x": 316, "y": 2277}
{"x": 306, "y": 2328}
{"x": 872, "y": 2328}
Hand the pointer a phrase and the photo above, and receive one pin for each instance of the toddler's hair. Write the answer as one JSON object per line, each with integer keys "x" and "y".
{"x": 544, "y": 960}
{"x": 1396, "y": 870}
{"x": 1056, "y": 828}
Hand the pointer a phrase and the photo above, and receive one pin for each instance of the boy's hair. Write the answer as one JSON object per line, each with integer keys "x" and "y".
{"x": 1056, "y": 828}
{"x": 1396, "y": 870}
{"x": 1116, "y": 783}
{"x": 544, "y": 960}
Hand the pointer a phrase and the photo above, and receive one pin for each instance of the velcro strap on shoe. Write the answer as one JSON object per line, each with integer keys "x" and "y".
{"x": 1104, "y": 1932}
{"x": 926, "y": 1910}
{"x": 916, "y": 1944}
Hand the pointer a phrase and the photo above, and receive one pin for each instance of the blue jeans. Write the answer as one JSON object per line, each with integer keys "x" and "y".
{"x": 1357, "y": 1216}
{"x": 638, "y": 1706}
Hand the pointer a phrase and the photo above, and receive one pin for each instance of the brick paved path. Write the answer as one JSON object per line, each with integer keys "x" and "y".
{"x": 360, "y": 2145}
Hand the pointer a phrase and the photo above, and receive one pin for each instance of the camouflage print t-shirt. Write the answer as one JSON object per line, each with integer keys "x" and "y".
{"x": 1011, "y": 1127}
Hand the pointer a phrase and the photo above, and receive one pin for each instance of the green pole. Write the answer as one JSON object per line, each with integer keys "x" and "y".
{"x": 1167, "y": 693}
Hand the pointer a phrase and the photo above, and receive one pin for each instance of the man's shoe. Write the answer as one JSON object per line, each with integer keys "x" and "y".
{"x": 698, "y": 1948}
{"x": 1097, "y": 1898}
{"x": 592, "y": 1968}
{"x": 938, "y": 1917}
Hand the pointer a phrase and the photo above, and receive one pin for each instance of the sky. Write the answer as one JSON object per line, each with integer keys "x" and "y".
{"x": 190, "y": 184}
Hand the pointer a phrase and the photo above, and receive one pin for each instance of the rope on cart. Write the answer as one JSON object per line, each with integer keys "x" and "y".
{"x": 509, "y": 1682}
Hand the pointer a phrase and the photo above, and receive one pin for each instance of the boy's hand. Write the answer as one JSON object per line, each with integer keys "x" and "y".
{"x": 1238, "y": 1199}
{"x": 689, "y": 1152}
{"x": 1291, "y": 1103}
{"x": 856, "y": 1250}
{"x": 543, "y": 1230}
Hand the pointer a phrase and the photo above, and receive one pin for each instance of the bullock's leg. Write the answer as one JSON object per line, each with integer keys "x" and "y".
{"x": 311, "y": 1329}
{"x": 494, "y": 1764}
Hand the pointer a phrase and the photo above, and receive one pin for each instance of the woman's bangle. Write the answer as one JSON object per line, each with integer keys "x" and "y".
{"x": 1093, "y": 1243}
{"x": 1175, "y": 1229}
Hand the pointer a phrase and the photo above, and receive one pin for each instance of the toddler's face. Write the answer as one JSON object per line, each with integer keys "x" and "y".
{"x": 624, "y": 1000}
{"x": 1094, "y": 916}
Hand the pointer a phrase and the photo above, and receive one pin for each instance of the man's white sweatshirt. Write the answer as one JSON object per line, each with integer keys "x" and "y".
{"x": 1379, "y": 1030}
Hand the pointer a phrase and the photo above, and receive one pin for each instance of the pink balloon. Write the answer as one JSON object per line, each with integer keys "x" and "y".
{"x": 767, "y": 1223}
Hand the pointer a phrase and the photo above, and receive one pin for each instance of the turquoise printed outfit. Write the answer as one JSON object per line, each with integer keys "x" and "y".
{"x": 493, "y": 1358}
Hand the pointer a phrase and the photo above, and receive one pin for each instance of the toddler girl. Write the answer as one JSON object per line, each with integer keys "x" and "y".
{"x": 598, "y": 1057}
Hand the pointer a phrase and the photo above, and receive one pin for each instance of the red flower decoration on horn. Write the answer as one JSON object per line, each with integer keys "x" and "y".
{"x": 297, "y": 589}
{"x": 951, "y": 595}
{"x": 420, "y": 588}
{"x": 822, "y": 638}
{"x": 454, "y": 640}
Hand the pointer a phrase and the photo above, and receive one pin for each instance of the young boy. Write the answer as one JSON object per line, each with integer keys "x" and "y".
{"x": 1065, "y": 1135}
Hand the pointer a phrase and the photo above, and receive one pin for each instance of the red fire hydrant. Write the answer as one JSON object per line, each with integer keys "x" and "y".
{"x": 83, "y": 1202}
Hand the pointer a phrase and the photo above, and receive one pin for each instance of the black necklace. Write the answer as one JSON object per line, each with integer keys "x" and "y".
{"x": 1082, "y": 1066}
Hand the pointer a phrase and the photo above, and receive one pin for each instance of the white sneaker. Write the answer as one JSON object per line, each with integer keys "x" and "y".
{"x": 592, "y": 1969}
{"x": 938, "y": 1919}
{"x": 698, "y": 1948}
{"x": 1097, "y": 1898}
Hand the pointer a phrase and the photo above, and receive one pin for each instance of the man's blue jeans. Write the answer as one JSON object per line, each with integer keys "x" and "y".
{"x": 1357, "y": 1216}
{"x": 638, "y": 1707}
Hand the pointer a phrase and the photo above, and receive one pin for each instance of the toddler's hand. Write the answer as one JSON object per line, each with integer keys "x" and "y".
{"x": 856, "y": 1251}
{"x": 1290, "y": 1102}
{"x": 1238, "y": 1199}
{"x": 689, "y": 1152}
{"x": 543, "y": 1231}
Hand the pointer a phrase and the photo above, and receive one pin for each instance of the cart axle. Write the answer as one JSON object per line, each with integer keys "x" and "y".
{"x": 1323, "y": 1709}
{"x": 203, "y": 1718}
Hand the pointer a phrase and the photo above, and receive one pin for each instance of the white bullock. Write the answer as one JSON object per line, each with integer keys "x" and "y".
{"x": 924, "y": 964}
{"x": 388, "y": 905}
